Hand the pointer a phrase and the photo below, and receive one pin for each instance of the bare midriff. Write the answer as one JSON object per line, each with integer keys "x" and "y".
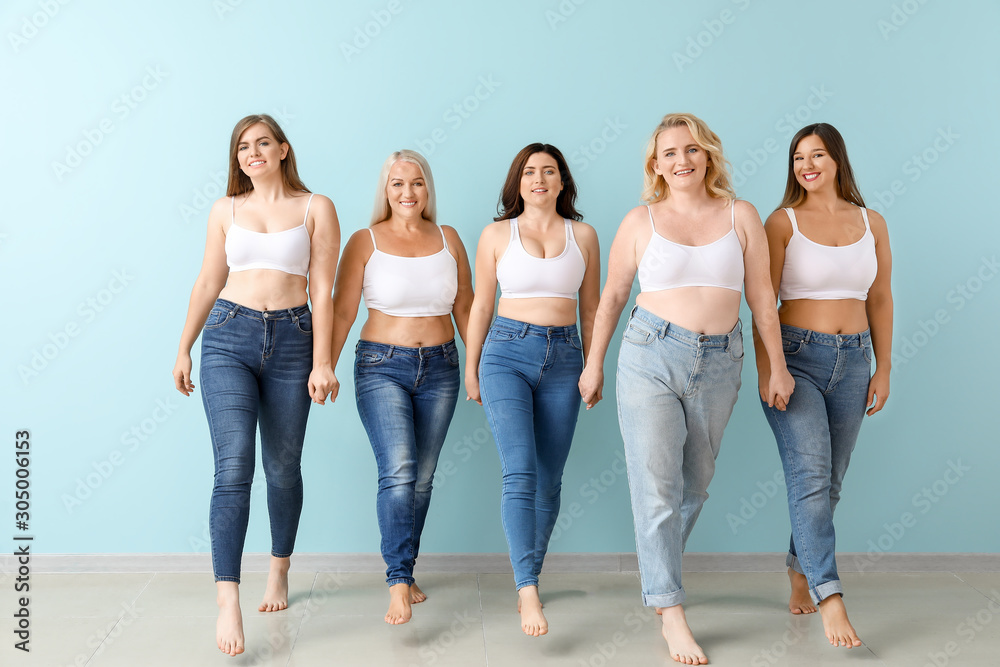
{"x": 542, "y": 311}
{"x": 704, "y": 310}
{"x": 265, "y": 289}
{"x": 834, "y": 316}
{"x": 407, "y": 331}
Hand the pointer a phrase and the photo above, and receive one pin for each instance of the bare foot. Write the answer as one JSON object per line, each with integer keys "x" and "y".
{"x": 416, "y": 595}
{"x": 838, "y": 629}
{"x": 533, "y": 621}
{"x": 680, "y": 642}
{"x": 399, "y": 604}
{"x": 276, "y": 594}
{"x": 800, "y": 602}
{"x": 229, "y": 628}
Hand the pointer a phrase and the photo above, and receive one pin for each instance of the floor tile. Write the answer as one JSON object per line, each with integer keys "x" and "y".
{"x": 903, "y": 592}
{"x": 987, "y": 583}
{"x": 928, "y": 636}
{"x": 737, "y": 592}
{"x": 58, "y": 641}
{"x": 580, "y": 593}
{"x": 85, "y": 595}
{"x": 337, "y": 594}
{"x": 185, "y": 594}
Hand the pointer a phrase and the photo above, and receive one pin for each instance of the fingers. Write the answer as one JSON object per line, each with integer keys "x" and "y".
{"x": 183, "y": 384}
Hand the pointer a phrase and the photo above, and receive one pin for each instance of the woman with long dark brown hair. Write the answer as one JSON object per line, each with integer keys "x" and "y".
{"x": 525, "y": 367}
{"x": 272, "y": 248}
{"x": 830, "y": 267}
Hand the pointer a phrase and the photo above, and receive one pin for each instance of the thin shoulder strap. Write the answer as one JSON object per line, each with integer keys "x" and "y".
{"x": 733, "y": 213}
{"x": 444, "y": 238}
{"x": 233, "y": 220}
{"x": 308, "y": 203}
{"x": 513, "y": 229}
{"x": 652, "y": 224}
{"x": 570, "y": 236}
{"x": 791, "y": 218}
{"x": 864, "y": 214}
{"x": 373, "y": 238}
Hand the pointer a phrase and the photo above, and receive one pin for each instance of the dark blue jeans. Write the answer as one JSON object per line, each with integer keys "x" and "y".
{"x": 406, "y": 399}
{"x": 255, "y": 370}
{"x": 816, "y": 436}
{"x": 528, "y": 380}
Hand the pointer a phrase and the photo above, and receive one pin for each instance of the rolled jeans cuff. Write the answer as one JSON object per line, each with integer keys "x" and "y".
{"x": 665, "y": 599}
{"x": 400, "y": 580}
{"x": 825, "y": 590}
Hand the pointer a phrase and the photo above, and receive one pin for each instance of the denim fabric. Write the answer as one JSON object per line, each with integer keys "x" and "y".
{"x": 255, "y": 369}
{"x": 816, "y": 436}
{"x": 406, "y": 399}
{"x": 676, "y": 390}
{"x": 528, "y": 377}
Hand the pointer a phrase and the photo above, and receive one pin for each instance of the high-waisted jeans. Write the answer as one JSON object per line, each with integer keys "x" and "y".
{"x": 676, "y": 390}
{"x": 406, "y": 399}
{"x": 528, "y": 380}
{"x": 816, "y": 436}
{"x": 255, "y": 370}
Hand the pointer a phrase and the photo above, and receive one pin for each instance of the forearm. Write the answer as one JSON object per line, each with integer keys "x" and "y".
{"x": 880, "y": 325}
{"x": 480, "y": 316}
{"x": 203, "y": 297}
{"x": 760, "y": 352}
{"x": 322, "y": 317}
{"x": 767, "y": 329}
{"x": 605, "y": 322}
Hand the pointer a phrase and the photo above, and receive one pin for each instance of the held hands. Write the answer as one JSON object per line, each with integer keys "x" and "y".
{"x": 472, "y": 388}
{"x": 591, "y": 385}
{"x": 779, "y": 388}
{"x": 182, "y": 374}
{"x": 323, "y": 383}
{"x": 878, "y": 391}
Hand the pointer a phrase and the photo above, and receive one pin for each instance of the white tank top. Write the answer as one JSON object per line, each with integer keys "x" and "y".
{"x": 669, "y": 265}
{"x": 822, "y": 272}
{"x": 286, "y": 250}
{"x": 524, "y": 276}
{"x": 411, "y": 286}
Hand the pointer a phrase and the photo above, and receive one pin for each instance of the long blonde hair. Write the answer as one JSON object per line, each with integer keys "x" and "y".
{"x": 717, "y": 182}
{"x": 381, "y": 211}
{"x": 239, "y": 182}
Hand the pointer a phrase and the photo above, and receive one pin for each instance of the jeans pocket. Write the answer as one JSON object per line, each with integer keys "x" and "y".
{"x": 304, "y": 323}
{"x": 500, "y": 335}
{"x": 575, "y": 342}
{"x": 791, "y": 346}
{"x": 218, "y": 317}
{"x": 451, "y": 355}
{"x": 369, "y": 358}
{"x": 637, "y": 334}
{"x": 735, "y": 349}
{"x": 866, "y": 349}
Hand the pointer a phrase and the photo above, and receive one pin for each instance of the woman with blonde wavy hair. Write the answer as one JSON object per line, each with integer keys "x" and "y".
{"x": 694, "y": 247}
{"x": 415, "y": 278}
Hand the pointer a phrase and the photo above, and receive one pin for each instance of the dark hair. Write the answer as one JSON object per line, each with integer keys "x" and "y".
{"x": 239, "y": 182}
{"x": 847, "y": 188}
{"x": 511, "y": 204}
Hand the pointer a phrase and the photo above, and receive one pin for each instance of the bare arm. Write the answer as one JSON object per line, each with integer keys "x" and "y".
{"x": 879, "y": 310}
{"x": 347, "y": 293}
{"x": 778, "y": 231}
{"x": 590, "y": 288}
{"x": 211, "y": 279}
{"x": 481, "y": 312}
{"x": 622, "y": 264}
{"x": 759, "y": 283}
{"x": 464, "y": 297}
{"x": 324, "y": 248}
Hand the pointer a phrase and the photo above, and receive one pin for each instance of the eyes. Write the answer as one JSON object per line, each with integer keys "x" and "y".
{"x": 262, "y": 142}
{"x": 547, "y": 172}
{"x": 672, "y": 153}
{"x": 814, "y": 156}
{"x": 399, "y": 184}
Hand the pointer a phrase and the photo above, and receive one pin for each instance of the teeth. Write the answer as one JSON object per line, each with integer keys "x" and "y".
{"x": 683, "y": 173}
{"x": 539, "y": 190}
{"x": 256, "y": 162}
{"x": 810, "y": 177}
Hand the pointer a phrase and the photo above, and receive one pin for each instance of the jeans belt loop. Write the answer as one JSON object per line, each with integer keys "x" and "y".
{"x": 389, "y": 353}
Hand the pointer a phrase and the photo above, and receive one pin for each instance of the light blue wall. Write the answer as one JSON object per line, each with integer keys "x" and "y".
{"x": 150, "y": 94}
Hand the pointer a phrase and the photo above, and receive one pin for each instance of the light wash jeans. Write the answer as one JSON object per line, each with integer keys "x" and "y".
{"x": 406, "y": 398}
{"x": 255, "y": 370}
{"x": 816, "y": 436}
{"x": 676, "y": 390}
{"x": 528, "y": 379}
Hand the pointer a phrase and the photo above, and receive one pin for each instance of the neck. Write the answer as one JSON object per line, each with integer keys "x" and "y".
{"x": 410, "y": 222}
{"x": 538, "y": 216}
{"x": 825, "y": 200}
{"x": 690, "y": 200}
{"x": 269, "y": 189}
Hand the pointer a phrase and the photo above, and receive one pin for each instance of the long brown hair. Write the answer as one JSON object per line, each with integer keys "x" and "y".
{"x": 847, "y": 188}
{"x": 717, "y": 183}
{"x": 511, "y": 204}
{"x": 239, "y": 182}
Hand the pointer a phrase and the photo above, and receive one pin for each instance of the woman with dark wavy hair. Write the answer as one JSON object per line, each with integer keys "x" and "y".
{"x": 830, "y": 267}
{"x": 524, "y": 368}
{"x": 272, "y": 248}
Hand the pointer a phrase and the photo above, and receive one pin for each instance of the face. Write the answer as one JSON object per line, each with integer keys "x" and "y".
{"x": 813, "y": 167}
{"x": 679, "y": 159}
{"x": 406, "y": 189}
{"x": 541, "y": 181}
{"x": 258, "y": 152}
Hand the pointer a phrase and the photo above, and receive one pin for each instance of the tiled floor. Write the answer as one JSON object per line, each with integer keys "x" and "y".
{"x": 596, "y": 620}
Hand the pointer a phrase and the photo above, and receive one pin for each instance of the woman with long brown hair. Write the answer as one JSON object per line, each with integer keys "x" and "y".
{"x": 272, "y": 248}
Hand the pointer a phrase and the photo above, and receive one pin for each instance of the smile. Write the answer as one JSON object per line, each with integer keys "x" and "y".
{"x": 684, "y": 172}
{"x": 811, "y": 176}
{"x": 257, "y": 163}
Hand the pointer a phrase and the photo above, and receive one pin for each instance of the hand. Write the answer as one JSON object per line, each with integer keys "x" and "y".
{"x": 472, "y": 389}
{"x": 878, "y": 391}
{"x": 591, "y": 385}
{"x": 182, "y": 374}
{"x": 780, "y": 386}
{"x": 763, "y": 382}
{"x": 323, "y": 383}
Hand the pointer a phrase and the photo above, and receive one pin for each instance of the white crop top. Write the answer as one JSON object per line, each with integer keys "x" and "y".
{"x": 668, "y": 265}
{"x": 822, "y": 272}
{"x": 524, "y": 276}
{"x": 287, "y": 250}
{"x": 411, "y": 286}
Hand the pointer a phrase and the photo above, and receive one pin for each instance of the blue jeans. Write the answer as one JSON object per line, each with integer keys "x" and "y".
{"x": 816, "y": 436}
{"x": 406, "y": 399}
{"x": 255, "y": 369}
{"x": 528, "y": 377}
{"x": 676, "y": 390}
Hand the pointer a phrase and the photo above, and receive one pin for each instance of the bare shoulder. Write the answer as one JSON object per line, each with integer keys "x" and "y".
{"x": 495, "y": 232}
{"x": 584, "y": 232}
{"x": 875, "y": 220}
{"x": 746, "y": 213}
{"x": 635, "y": 219}
{"x": 778, "y": 221}
{"x": 221, "y": 212}
{"x": 322, "y": 204}
{"x": 451, "y": 234}
{"x": 359, "y": 245}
